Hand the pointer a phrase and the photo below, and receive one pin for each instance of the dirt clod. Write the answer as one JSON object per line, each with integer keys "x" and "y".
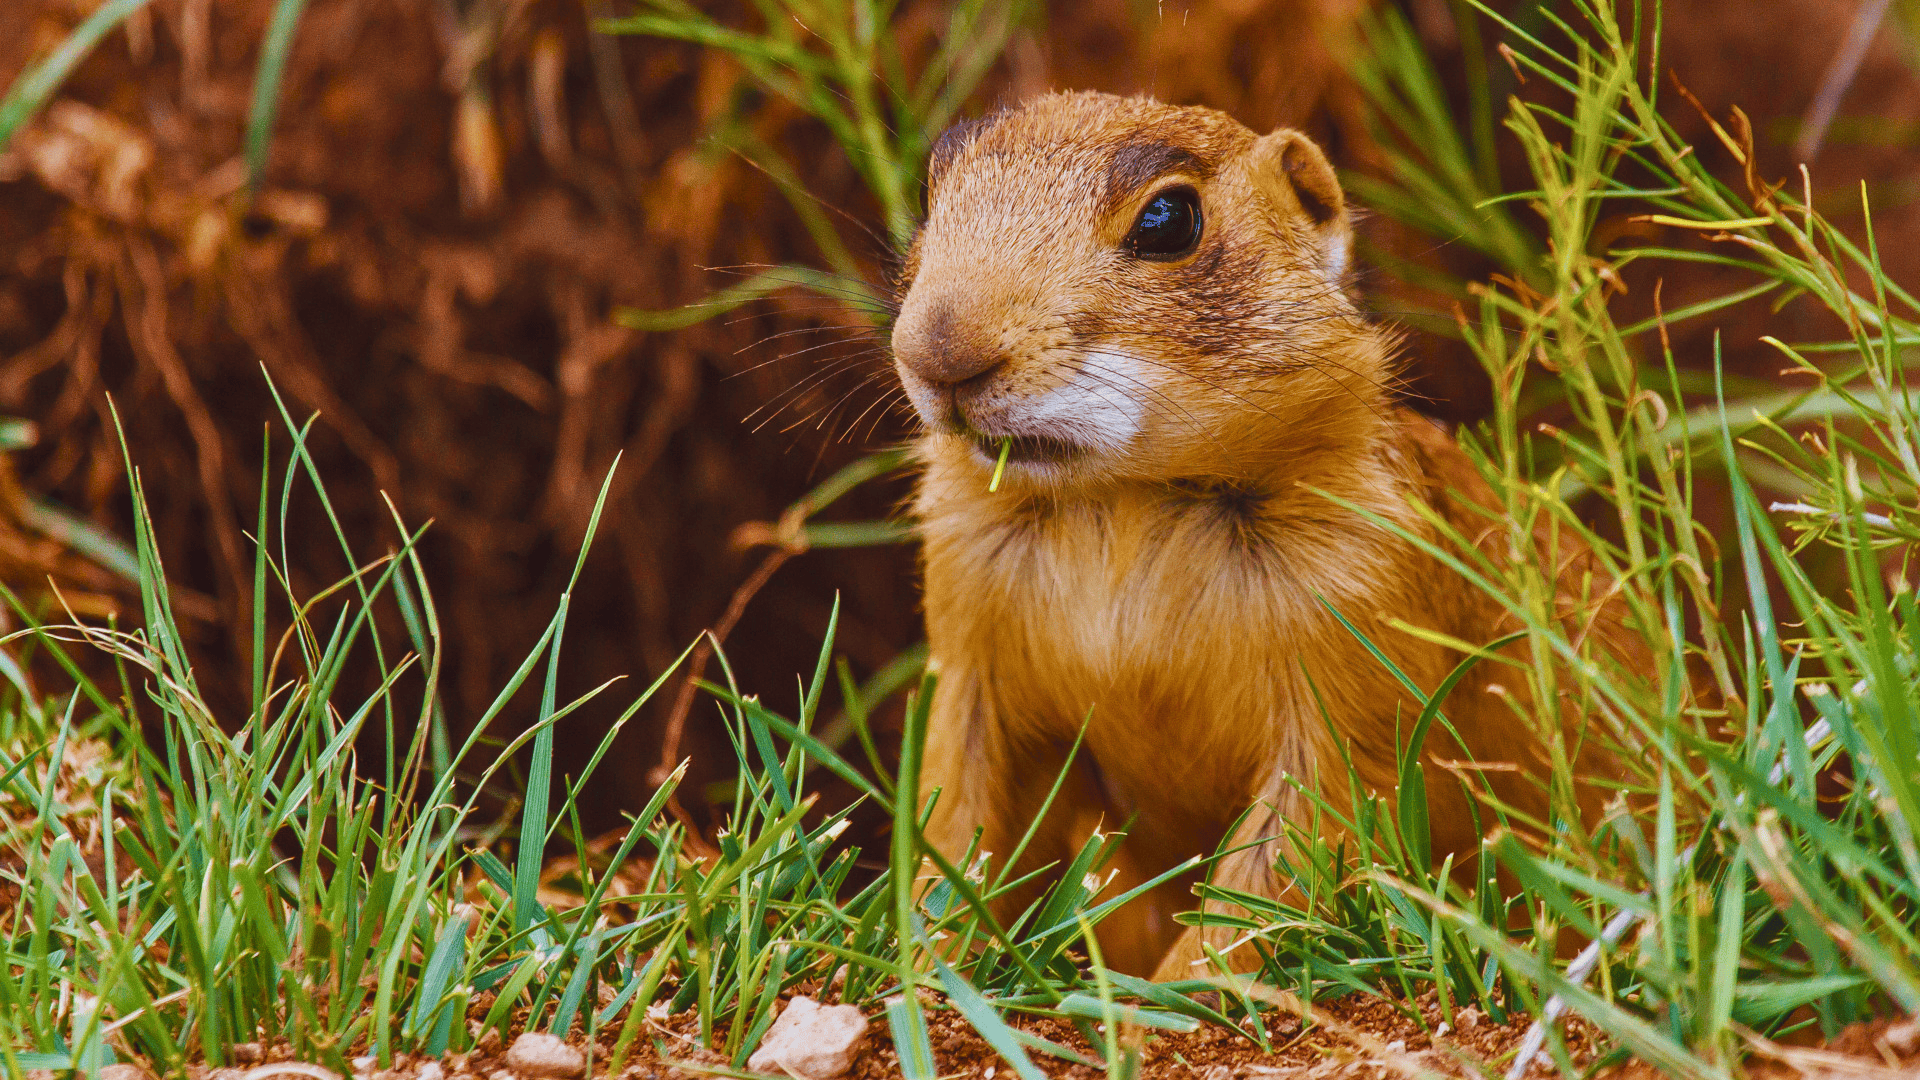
{"x": 538, "y": 1054}
{"x": 123, "y": 1072}
{"x": 812, "y": 1041}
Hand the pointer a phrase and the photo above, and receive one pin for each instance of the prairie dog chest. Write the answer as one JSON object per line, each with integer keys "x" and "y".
{"x": 1165, "y": 610}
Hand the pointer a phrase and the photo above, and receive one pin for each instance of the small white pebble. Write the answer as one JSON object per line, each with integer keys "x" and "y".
{"x": 538, "y": 1054}
{"x": 1397, "y": 1046}
{"x": 362, "y": 1063}
{"x": 430, "y": 1071}
{"x": 811, "y": 1041}
{"x": 1442, "y": 1031}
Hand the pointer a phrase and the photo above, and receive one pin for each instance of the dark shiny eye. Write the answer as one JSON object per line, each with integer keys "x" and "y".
{"x": 1169, "y": 225}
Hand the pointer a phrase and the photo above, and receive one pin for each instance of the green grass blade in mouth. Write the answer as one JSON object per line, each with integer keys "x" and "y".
{"x": 1000, "y": 467}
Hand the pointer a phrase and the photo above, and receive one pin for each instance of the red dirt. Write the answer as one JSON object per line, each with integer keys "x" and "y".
{"x": 1363, "y": 1038}
{"x": 1351, "y": 1037}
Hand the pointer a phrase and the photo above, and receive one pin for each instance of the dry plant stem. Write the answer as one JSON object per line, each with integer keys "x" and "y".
{"x": 697, "y": 669}
{"x": 1811, "y": 1062}
{"x": 1401, "y": 1062}
{"x": 1610, "y": 935}
{"x": 616, "y": 102}
{"x": 1840, "y": 75}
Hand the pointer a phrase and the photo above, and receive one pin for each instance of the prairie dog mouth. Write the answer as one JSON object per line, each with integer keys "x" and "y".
{"x": 1026, "y": 449}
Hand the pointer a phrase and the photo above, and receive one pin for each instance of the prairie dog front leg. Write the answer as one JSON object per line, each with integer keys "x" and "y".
{"x": 1249, "y": 868}
{"x": 983, "y": 781}
{"x": 991, "y": 781}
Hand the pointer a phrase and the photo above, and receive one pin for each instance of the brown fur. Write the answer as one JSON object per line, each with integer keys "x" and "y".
{"x": 1163, "y": 581}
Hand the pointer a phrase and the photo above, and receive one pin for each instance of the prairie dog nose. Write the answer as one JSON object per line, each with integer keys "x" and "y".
{"x": 931, "y": 342}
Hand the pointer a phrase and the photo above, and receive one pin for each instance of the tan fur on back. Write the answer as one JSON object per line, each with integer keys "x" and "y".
{"x": 1155, "y": 563}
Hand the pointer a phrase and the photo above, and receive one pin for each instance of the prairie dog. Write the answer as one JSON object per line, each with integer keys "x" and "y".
{"x": 1147, "y": 301}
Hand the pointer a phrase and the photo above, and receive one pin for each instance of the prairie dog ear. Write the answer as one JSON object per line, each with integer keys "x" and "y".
{"x": 1298, "y": 178}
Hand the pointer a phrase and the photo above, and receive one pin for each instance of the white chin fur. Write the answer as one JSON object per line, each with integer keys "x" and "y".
{"x": 1100, "y": 408}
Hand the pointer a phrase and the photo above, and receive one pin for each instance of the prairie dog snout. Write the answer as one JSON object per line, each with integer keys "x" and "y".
{"x": 1116, "y": 284}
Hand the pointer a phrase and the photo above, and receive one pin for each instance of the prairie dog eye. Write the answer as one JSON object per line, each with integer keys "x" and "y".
{"x": 1168, "y": 226}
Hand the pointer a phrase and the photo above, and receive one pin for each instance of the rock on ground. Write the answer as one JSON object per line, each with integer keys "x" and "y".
{"x": 811, "y": 1041}
{"x": 539, "y": 1055}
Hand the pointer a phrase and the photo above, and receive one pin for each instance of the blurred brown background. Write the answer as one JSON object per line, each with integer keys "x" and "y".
{"x": 460, "y": 193}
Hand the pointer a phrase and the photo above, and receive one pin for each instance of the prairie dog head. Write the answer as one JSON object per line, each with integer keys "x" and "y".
{"x": 1130, "y": 290}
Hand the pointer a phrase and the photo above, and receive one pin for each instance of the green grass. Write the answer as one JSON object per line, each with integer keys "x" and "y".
{"x": 35, "y": 86}
{"x": 333, "y": 868}
{"x": 1741, "y": 897}
{"x": 838, "y": 62}
{"x": 322, "y": 871}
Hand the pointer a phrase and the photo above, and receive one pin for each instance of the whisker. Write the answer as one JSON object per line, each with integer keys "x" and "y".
{"x": 897, "y": 405}
{"x": 852, "y": 284}
{"x": 1301, "y": 360}
{"x": 856, "y": 221}
{"x": 1100, "y": 376}
{"x": 794, "y": 393}
{"x": 829, "y": 367}
{"x": 818, "y": 329}
{"x": 871, "y": 350}
{"x": 876, "y": 401}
